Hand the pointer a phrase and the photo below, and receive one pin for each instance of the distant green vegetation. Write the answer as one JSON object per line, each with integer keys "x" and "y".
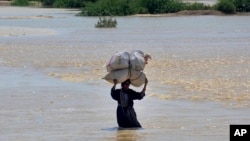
{"x": 197, "y": 6}
{"x": 20, "y": 3}
{"x": 130, "y": 7}
{"x": 226, "y": 6}
{"x": 233, "y": 6}
{"x": 242, "y": 5}
{"x": 65, "y": 3}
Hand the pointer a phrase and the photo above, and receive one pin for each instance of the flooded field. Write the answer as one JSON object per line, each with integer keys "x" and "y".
{"x": 52, "y": 63}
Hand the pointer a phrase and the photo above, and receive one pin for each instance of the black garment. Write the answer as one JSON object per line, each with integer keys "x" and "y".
{"x": 126, "y": 116}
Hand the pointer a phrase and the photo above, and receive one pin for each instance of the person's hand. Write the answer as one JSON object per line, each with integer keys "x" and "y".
{"x": 115, "y": 81}
{"x": 146, "y": 81}
{"x": 144, "y": 88}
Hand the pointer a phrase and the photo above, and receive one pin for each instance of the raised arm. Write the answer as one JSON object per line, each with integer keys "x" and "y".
{"x": 145, "y": 85}
{"x": 115, "y": 82}
{"x": 144, "y": 88}
{"x": 113, "y": 95}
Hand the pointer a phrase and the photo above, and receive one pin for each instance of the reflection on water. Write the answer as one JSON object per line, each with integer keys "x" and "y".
{"x": 216, "y": 79}
{"x": 126, "y": 135}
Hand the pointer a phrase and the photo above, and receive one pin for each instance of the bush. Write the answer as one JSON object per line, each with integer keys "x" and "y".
{"x": 135, "y": 7}
{"x": 107, "y": 8}
{"x": 173, "y": 6}
{"x": 128, "y": 7}
{"x": 196, "y": 6}
{"x": 242, "y": 5}
{"x": 68, "y": 3}
{"x": 20, "y": 3}
{"x": 47, "y": 3}
{"x": 106, "y": 22}
{"x": 226, "y": 6}
{"x": 162, "y": 6}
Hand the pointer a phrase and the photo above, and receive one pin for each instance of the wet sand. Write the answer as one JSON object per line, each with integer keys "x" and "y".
{"x": 51, "y": 86}
{"x": 17, "y": 31}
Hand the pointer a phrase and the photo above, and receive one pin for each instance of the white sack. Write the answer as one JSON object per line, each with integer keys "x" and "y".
{"x": 137, "y": 78}
{"x": 118, "y": 61}
{"x": 137, "y": 61}
{"x": 121, "y": 60}
{"x": 119, "y": 75}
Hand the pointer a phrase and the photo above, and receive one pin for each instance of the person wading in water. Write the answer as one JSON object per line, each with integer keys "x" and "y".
{"x": 126, "y": 116}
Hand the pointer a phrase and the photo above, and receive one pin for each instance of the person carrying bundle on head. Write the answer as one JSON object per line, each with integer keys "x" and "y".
{"x": 126, "y": 115}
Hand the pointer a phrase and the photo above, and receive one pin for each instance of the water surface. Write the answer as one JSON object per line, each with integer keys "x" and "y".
{"x": 52, "y": 63}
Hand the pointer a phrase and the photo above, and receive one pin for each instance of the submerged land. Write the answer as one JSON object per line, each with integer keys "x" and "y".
{"x": 52, "y": 65}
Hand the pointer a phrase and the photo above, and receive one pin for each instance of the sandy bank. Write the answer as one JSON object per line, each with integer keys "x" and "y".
{"x": 193, "y": 13}
{"x": 24, "y": 31}
{"x": 5, "y": 3}
{"x": 28, "y": 17}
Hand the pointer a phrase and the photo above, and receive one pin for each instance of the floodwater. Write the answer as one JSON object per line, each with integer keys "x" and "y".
{"x": 52, "y": 62}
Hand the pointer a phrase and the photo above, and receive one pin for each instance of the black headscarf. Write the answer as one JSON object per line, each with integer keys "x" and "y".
{"x": 125, "y": 82}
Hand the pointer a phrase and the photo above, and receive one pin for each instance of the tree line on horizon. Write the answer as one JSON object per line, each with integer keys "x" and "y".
{"x": 130, "y": 7}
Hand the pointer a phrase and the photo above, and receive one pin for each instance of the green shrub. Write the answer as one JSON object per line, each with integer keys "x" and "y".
{"x": 135, "y": 7}
{"x": 106, "y": 22}
{"x": 197, "y": 6}
{"x": 173, "y": 6}
{"x": 60, "y": 3}
{"x": 107, "y": 8}
{"x": 20, "y": 3}
{"x": 242, "y": 5}
{"x": 68, "y": 3}
{"x": 128, "y": 7}
{"x": 226, "y": 6}
{"x": 162, "y": 6}
{"x": 47, "y": 3}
